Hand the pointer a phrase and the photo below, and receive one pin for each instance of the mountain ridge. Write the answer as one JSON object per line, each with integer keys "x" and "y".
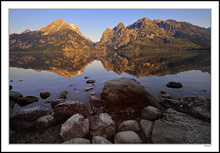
{"x": 144, "y": 34}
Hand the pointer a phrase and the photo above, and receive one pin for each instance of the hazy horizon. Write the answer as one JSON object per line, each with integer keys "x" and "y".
{"x": 92, "y": 22}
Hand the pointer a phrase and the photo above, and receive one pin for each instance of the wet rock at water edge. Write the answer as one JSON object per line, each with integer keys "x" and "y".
{"x": 121, "y": 94}
{"x": 10, "y": 87}
{"x": 88, "y": 88}
{"x": 100, "y": 140}
{"x": 63, "y": 94}
{"x": 75, "y": 127}
{"x": 26, "y": 118}
{"x": 86, "y": 77}
{"x": 174, "y": 85}
{"x": 197, "y": 106}
{"x": 92, "y": 93}
{"x": 92, "y": 110}
{"x": 53, "y": 103}
{"x": 163, "y": 92}
{"x": 176, "y": 127}
{"x": 44, "y": 95}
{"x": 65, "y": 110}
{"x": 129, "y": 125}
{"x": 146, "y": 127}
{"x": 96, "y": 102}
{"x": 15, "y": 95}
{"x": 127, "y": 137}
{"x": 166, "y": 96}
{"x": 45, "y": 122}
{"x": 23, "y": 101}
{"x": 151, "y": 113}
{"x": 77, "y": 141}
{"x": 103, "y": 125}
{"x": 71, "y": 85}
{"x": 90, "y": 81}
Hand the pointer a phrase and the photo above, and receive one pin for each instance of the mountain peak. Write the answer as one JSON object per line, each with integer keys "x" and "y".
{"x": 26, "y": 31}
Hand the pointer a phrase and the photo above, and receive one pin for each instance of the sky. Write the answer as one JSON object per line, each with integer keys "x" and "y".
{"x": 93, "y": 22}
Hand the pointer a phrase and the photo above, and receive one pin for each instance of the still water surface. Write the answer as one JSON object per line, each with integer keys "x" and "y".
{"x": 32, "y": 73}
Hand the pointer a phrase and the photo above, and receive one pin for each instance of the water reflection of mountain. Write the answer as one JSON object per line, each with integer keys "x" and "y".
{"x": 138, "y": 64}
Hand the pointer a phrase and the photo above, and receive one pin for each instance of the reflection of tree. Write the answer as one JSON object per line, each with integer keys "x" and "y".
{"x": 138, "y": 64}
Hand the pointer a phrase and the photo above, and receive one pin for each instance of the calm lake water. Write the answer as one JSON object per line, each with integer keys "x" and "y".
{"x": 32, "y": 73}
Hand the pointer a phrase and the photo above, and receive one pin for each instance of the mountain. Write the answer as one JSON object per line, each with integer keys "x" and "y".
{"x": 57, "y": 36}
{"x": 195, "y": 34}
{"x": 158, "y": 34}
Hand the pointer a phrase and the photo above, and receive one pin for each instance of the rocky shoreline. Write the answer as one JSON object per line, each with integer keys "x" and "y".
{"x": 125, "y": 114}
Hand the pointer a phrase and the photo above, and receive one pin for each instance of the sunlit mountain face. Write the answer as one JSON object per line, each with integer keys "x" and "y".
{"x": 138, "y": 64}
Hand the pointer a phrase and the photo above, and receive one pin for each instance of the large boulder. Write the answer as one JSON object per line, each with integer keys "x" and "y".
{"x": 45, "y": 122}
{"x": 14, "y": 95}
{"x": 66, "y": 109}
{"x": 127, "y": 137}
{"x": 100, "y": 140}
{"x": 146, "y": 127}
{"x": 123, "y": 93}
{"x": 129, "y": 125}
{"x": 77, "y": 141}
{"x": 26, "y": 118}
{"x": 75, "y": 127}
{"x": 177, "y": 127}
{"x": 151, "y": 113}
{"x": 199, "y": 107}
{"x": 23, "y": 101}
{"x": 103, "y": 125}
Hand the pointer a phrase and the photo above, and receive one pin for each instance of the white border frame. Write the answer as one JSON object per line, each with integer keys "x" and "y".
{"x": 214, "y": 6}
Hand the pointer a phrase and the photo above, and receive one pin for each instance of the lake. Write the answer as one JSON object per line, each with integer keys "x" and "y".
{"x": 32, "y": 73}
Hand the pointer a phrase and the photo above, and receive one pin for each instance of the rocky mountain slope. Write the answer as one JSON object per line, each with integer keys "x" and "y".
{"x": 57, "y": 36}
{"x": 144, "y": 34}
{"x": 158, "y": 34}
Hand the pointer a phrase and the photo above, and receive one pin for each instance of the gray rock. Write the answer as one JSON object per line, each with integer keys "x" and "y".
{"x": 44, "y": 95}
{"x": 129, "y": 125}
{"x": 174, "y": 85}
{"x": 166, "y": 96}
{"x": 103, "y": 125}
{"x": 176, "y": 127}
{"x": 163, "y": 92}
{"x": 53, "y": 103}
{"x": 23, "y": 101}
{"x": 151, "y": 113}
{"x": 75, "y": 127}
{"x": 119, "y": 94}
{"x": 96, "y": 102}
{"x": 45, "y": 122}
{"x": 100, "y": 140}
{"x": 127, "y": 137}
{"x": 92, "y": 93}
{"x": 146, "y": 127}
{"x": 66, "y": 109}
{"x": 15, "y": 95}
{"x": 199, "y": 107}
{"x": 88, "y": 88}
{"x": 77, "y": 141}
{"x": 26, "y": 118}
{"x": 90, "y": 81}
{"x": 63, "y": 95}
